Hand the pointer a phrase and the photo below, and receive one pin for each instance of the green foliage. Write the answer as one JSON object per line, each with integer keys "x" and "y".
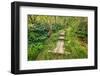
{"x": 37, "y": 34}
{"x": 34, "y": 50}
{"x": 76, "y": 29}
{"x": 82, "y": 30}
{"x": 36, "y": 37}
{"x": 56, "y": 27}
{"x": 43, "y": 34}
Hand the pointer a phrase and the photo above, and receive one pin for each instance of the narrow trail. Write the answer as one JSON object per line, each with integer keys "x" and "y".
{"x": 60, "y": 44}
{"x": 56, "y": 53}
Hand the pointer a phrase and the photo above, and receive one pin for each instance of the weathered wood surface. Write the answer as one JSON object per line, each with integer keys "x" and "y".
{"x": 60, "y": 44}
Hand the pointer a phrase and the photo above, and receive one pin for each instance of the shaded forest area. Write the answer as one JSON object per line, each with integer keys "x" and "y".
{"x": 43, "y": 33}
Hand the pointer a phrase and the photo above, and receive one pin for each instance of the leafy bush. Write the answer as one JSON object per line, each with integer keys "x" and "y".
{"x": 56, "y": 27}
{"x": 37, "y": 34}
{"x": 36, "y": 37}
{"x": 34, "y": 50}
{"x": 82, "y": 30}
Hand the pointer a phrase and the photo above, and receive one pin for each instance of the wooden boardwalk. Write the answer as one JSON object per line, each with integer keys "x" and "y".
{"x": 60, "y": 44}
